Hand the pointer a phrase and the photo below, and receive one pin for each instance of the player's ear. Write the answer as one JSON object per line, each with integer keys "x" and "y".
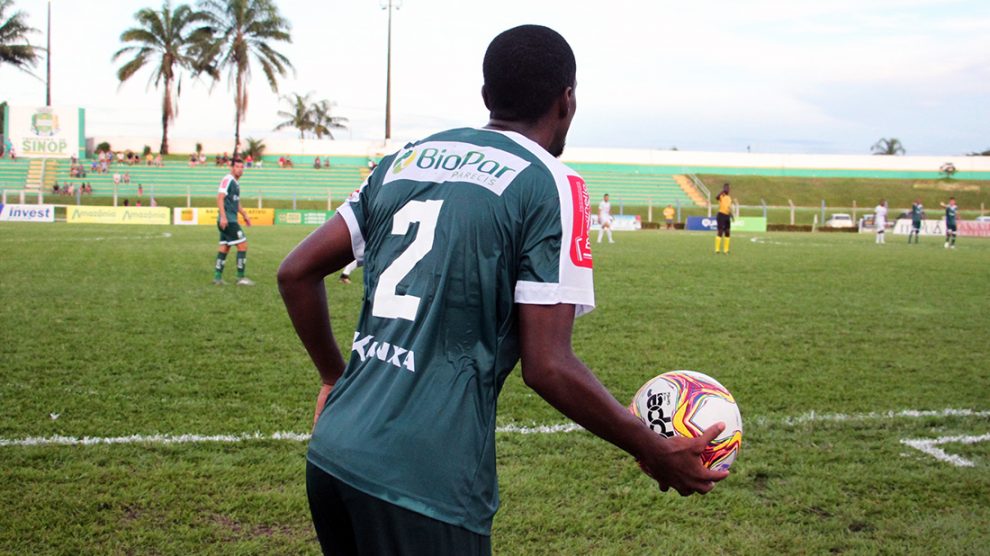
{"x": 566, "y": 104}
{"x": 484, "y": 97}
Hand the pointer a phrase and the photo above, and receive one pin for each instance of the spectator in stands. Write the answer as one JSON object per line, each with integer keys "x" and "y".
{"x": 668, "y": 216}
{"x": 116, "y": 178}
{"x": 326, "y": 163}
{"x": 149, "y": 159}
{"x": 202, "y": 159}
{"x": 281, "y": 162}
{"x": 140, "y": 190}
{"x": 249, "y": 161}
{"x": 127, "y": 203}
{"x": 193, "y": 160}
{"x": 8, "y": 146}
{"x": 138, "y": 203}
{"x": 317, "y": 163}
{"x": 13, "y": 153}
{"x": 158, "y": 160}
{"x": 55, "y": 189}
{"x": 95, "y": 166}
{"x": 120, "y": 157}
{"x": 288, "y": 161}
{"x": 126, "y": 178}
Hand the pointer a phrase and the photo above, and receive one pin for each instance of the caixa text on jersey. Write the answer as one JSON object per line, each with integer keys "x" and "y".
{"x": 367, "y": 348}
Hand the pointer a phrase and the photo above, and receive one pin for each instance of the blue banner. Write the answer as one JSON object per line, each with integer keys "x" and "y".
{"x": 701, "y": 223}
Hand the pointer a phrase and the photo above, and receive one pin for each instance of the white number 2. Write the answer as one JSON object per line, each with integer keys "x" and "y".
{"x": 387, "y": 304}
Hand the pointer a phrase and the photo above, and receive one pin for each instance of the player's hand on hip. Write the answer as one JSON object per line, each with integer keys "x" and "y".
{"x": 321, "y": 401}
{"x": 678, "y": 464}
{"x": 223, "y": 223}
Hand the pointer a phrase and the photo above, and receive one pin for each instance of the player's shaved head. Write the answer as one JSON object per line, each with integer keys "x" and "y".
{"x": 526, "y": 68}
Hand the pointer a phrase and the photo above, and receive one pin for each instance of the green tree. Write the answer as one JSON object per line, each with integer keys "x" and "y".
{"x": 324, "y": 120}
{"x": 169, "y": 41}
{"x": 255, "y": 148}
{"x": 888, "y": 147}
{"x": 298, "y": 116}
{"x": 15, "y": 49}
{"x": 242, "y": 30}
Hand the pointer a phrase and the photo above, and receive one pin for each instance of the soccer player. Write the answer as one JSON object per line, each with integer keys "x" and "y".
{"x": 723, "y": 220}
{"x": 880, "y": 220}
{"x": 476, "y": 253}
{"x": 229, "y": 206}
{"x": 605, "y": 218}
{"x": 951, "y": 211}
{"x": 917, "y": 215}
{"x": 668, "y": 216}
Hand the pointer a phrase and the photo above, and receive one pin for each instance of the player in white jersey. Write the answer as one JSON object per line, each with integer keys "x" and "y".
{"x": 880, "y": 220}
{"x": 605, "y": 219}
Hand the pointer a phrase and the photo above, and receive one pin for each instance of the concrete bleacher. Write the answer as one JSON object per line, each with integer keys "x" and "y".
{"x": 177, "y": 179}
{"x": 632, "y": 184}
{"x": 626, "y": 184}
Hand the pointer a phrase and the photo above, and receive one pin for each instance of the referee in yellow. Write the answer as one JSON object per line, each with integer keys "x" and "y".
{"x": 723, "y": 219}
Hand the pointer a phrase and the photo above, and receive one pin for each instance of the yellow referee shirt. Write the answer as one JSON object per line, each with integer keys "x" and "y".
{"x": 724, "y": 203}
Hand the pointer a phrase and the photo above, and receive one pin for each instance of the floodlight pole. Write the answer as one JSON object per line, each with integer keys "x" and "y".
{"x": 391, "y": 4}
{"x": 48, "y": 81}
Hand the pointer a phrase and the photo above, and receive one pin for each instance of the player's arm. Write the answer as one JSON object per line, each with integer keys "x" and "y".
{"x": 223, "y": 215}
{"x": 300, "y": 281}
{"x": 551, "y": 368}
{"x": 240, "y": 209}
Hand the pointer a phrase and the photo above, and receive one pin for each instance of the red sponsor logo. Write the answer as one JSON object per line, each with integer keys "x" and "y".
{"x": 580, "y": 233}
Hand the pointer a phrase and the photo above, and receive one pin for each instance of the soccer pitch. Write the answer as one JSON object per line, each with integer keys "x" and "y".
{"x": 862, "y": 373}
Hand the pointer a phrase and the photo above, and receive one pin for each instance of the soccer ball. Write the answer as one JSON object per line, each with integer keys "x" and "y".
{"x": 685, "y": 403}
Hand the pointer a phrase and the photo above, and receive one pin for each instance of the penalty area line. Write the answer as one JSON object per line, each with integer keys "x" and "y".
{"x": 930, "y": 446}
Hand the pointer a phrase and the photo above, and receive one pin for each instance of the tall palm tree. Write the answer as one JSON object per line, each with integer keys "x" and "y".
{"x": 889, "y": 147}
{"x": 324, "y": 120}
{"x": 299, "y": 115}
{"x": 242, "y": 30}
{"x": 168, "y": 40}
{"x": 14, "y": 46}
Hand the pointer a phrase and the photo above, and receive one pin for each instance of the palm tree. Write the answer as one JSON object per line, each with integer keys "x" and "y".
{"x": 889, "y": 147}
{"x": 299, "y": 115}
{"x": 243, "y": 29}
{"x": 168, "y": 40}
{"x": 14, "y": 47}
{"x": 324, "y": 121}
{"x": 255, "y": 148}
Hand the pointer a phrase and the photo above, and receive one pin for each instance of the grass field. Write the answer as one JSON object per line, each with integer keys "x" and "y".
{"x": 837, "y": 350}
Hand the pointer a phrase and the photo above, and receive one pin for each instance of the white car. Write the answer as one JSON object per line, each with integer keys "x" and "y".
{"x": 983, "y": 218}
{"x": 840, "y": 220}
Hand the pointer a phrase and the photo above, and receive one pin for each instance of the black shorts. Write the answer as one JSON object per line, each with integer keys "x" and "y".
{"x": 724, "y": 223}
{"x": 950, "y": 228}
{"x": 349, "y": 521}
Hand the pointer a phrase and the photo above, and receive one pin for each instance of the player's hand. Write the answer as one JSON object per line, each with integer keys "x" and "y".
{"x": 223, "y": 223}
{"x": 677, "y": 464}
{"x": 247, "y": 221}
{"x": 321, "y": 400}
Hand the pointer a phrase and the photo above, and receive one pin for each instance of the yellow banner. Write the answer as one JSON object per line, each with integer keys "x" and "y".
{"x": 259, "y": 217}
{"x": 117, "y": 215}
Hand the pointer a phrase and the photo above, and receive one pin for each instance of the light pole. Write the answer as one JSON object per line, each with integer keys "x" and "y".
{"x": 48, "y": 56}
{"x": 389, "y": 5}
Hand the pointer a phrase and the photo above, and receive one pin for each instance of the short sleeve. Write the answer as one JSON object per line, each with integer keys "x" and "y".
{"x": 555, "y": 265}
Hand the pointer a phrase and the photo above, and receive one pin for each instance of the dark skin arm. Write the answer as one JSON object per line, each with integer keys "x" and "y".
{"x": 550, "y": 367}
{"x": 300, "y": 281}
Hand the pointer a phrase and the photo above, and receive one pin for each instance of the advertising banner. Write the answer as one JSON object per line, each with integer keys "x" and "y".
{"x": 972, "y": 228}
{"x": 303, "y": 217}
{"x": 117, "y": 215}
{"x": 624, "y": 222}
{"x": 928, "y": 227}
{"x": 740, "y": 224}
{"x": 27, "y": 213}
{"x": 45, "y": 131}
{"x": 207, "y": 216}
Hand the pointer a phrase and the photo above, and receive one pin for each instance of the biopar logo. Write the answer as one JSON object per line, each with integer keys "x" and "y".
{"x": 44, "y": 123}
{"x": 437, "y": 158}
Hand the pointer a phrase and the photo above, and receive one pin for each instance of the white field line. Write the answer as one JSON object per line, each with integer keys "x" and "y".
{"x": 510, "y": 429}
{"x": 930, "y": 447}
{"x": 163, "y": 235}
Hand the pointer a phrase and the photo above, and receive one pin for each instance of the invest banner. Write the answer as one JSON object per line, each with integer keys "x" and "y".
{"x": 27, "y": 213}
{"x": 740, "y": 224}
{"x": 303, "y": 217}
{"x": 117, "y": 215}
{"x": 45, "y": 131}
{"x": 207, "y": 216}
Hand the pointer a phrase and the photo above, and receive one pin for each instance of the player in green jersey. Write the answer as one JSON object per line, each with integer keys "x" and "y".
{"x": 228, "y": 207}
{"x": 951, "y": 210}
{"x": 476, "y": 253}
{"x": 917, "y": 215}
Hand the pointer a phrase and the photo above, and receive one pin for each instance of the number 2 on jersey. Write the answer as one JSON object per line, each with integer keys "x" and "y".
{"x": 387, "y": 304}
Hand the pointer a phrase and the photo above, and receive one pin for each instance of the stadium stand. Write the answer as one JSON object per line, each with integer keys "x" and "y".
{"x": 13, "y": 173}
{"x": 634, "y": 185}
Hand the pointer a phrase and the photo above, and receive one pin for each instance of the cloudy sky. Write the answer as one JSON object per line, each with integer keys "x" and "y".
{"x": 773, "y": 76}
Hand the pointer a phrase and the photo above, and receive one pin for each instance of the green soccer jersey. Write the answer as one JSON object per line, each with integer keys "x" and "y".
{"x": 232, "y": 191}
{"x": 917, "y": 212}
{"x": 950, "y": 215}
{"x": 453, "y": 232}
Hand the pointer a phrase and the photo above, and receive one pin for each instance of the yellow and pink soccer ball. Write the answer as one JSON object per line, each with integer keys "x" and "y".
{"x": 685, "y": 403}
